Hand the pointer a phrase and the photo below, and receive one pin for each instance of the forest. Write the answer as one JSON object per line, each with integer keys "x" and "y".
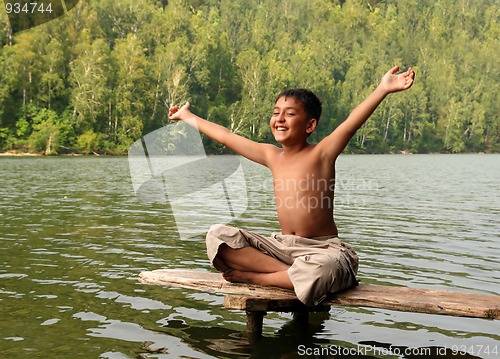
{"x": 98, "y": 78}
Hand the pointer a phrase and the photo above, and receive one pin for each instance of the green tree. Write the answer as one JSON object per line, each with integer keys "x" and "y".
{"x": 52, "y": 84}
{"x": 252, "y": 76}
{"x": 130, "y": 94}
{"x": 89, "y": 142}
{"x": 357, "y": 85}
{"x": 23, "y": 63}
{"x": 89, "y": 79}
{"x": 170, "y": 79}
{"x": 48, "y": 133}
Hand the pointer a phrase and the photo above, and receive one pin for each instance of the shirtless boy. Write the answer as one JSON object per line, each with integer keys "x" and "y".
{"x": 307, "y": 256}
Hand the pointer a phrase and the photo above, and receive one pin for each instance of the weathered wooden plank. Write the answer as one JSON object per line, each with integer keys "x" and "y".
{"x": 210, "y": 282}
{"x": 461, "y": 304}
{"x": 257, "y": 298}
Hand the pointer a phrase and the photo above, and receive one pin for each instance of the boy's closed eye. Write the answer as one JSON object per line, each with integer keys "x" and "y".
{"x": 277, "y": 113}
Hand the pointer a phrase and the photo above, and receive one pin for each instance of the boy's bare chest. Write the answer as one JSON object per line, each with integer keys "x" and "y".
{"x": 309, "y": 176}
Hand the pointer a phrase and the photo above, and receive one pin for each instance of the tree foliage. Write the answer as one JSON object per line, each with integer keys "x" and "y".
{"x": 103, "y": 75}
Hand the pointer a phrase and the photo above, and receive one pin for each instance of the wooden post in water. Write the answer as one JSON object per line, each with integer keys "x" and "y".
{"x": 255, "y": 319}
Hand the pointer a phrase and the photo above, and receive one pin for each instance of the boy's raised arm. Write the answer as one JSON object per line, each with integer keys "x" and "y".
{"x": 335, "y": 143}
{"x": 254, "y": 151}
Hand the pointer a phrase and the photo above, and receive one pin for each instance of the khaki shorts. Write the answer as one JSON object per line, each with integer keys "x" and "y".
{"x": 317, "y": 265}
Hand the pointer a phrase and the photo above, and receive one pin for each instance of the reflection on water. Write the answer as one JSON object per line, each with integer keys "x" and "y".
{"x": 74, "y": 238}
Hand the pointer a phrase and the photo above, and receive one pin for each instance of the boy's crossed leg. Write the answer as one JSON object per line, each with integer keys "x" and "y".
{"x": 249, "y": 265}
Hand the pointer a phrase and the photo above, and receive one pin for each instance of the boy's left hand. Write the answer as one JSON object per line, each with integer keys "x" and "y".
{"x": 394, "y": 83}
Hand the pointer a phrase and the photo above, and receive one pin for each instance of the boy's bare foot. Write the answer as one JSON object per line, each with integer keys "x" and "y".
{"x": 276, "y": 279}
{"x": 237, "y": 276}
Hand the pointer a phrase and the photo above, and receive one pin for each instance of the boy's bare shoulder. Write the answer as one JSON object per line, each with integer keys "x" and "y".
{"x": 307, "y": 160}
{"x": 262, "y": 153}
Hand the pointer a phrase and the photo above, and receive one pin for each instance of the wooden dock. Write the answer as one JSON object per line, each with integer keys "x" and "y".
{"x": 257, "y": 300}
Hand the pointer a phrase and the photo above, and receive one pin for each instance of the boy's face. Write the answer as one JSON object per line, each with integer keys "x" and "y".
{"x": 290, "y": 122}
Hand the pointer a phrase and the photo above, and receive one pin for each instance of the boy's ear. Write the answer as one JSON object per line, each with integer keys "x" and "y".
{"x": 311, "y": 125}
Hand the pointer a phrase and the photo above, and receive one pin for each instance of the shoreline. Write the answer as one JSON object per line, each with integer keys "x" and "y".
{"x": 27, "y": 154}
{"x": 15, "y": 154}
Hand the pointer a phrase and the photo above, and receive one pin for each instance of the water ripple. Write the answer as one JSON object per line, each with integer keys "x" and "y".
{"x": 73, "y": 239}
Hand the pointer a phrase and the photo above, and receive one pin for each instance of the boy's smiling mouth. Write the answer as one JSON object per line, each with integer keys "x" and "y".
{"x": 281, "y": 128}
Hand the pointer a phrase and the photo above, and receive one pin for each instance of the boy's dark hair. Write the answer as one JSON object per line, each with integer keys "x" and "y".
{"x": 311, "y": 102}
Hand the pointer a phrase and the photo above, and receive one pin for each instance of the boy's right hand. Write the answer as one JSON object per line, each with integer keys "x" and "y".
{"x": 176, "y": 113}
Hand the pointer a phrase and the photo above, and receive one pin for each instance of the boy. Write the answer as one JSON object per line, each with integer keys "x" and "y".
{"x": 307, "y": 256}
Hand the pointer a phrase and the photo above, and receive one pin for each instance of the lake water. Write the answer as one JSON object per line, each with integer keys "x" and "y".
{"x": 74, "y": 238}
